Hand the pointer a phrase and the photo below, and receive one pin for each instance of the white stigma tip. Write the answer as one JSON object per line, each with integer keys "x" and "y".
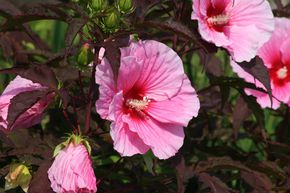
{"x": 282, "y": 72}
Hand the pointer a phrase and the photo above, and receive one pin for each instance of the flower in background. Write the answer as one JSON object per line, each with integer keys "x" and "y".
{"x": 151, "y": 101}
{"x": 30, "y": 117}
{"x": 240, "y": 26}
{"x": 276, "y": 56}
{"x": 71, "y": 171}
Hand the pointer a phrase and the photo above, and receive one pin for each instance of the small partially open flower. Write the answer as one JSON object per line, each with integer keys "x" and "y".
{"x": 240, "y": 26}
{"x": 71, "y": 171}
{"x": 31, "y": 116}
{"x": 275, "y": 55}
{"x": 18, "y": 175}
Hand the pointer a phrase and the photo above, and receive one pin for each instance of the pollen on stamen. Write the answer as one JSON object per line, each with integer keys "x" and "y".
{"x": 216, "y": 20}
{"x": 138, "y": 105}
{"x": 282, "y": 72}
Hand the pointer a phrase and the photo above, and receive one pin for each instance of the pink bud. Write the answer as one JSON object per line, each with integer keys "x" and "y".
{"x": 72, "y": 171}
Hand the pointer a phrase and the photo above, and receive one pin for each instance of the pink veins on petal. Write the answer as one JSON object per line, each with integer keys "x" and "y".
{"x": 151, "y": 101}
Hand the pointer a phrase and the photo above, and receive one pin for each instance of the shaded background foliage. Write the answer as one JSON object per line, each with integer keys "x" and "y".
{"x": 232, "y": 146}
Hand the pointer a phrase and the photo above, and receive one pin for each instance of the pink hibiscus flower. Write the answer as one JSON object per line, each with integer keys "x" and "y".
{"x": 28, "y": 118}
{"x": 151, "y": 101}
{"x": 276, "y": 57}
{"x": 240, "y": 26}
{"x": 72, "y": 172}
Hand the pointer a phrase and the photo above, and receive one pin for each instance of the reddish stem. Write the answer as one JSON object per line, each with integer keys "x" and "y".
{"x": 91, "y": 94}
{"x": 68, "y": 121}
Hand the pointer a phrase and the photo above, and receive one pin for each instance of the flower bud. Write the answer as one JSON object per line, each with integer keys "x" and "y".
{"x": 85, "y": 56}
{"x": 72, "y": 169}
{"x": 111, "y": 22}
{"x": 99, "y": 5}
{"x": 18, "y": 175}
{"x": 125, "y": 6}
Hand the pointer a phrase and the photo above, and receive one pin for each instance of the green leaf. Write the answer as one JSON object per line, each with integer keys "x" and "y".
{"x": 58, "y": 148}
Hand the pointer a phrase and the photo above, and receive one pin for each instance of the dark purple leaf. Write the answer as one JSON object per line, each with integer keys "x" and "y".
{"x": 241, "y": 113}
{"x": 7, "y": 8}
{"x": 254, "y": 106}
{"x": 214, "y": 183}
{"x": 179, "y": 29}
{"x": 122, "y": 41}
{"x": 22, "y": 102}
{"x": 257, "y": 69}
{"x": 258, "y": 181}
{"x": 212, "y": 64}
{"x": 183, "y": 174}
{"x": 41, "y": 74}
{"x": 141, "y": 7}
{"x": 64, "y": 97}
{"x": 113, "y": 54}
{"x": 74, "y": 26}
{"x": 28, "y": 14}
{"x": 40, "y": 182}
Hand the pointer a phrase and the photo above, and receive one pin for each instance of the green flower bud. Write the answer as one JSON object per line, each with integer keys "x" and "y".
{"x": 85, "y": 56}
{"x": 111, "y": 22}
{"x": 125, "y": 6}
{"x": 18, "y": 175}
{"x": 99, "y": 5}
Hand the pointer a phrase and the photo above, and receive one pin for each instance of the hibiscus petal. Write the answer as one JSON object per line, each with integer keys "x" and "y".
{"x": 104, "y": 77}
{"x": 126, "y": 142}
{"x": 220, "y": 5}
{"x": 243, "y": 47}
{"x": 285, "y": 52}
{"x": 263, "y": 99}
{"x": 253, "y": 12}
{"x": 213, "y": 36}
{"x": 270, "y": 52}
{"x": 19, "y": 85}
{"x": 164, "y": 139}
{"x": 200, "y": 8}
{"x": 162, "y": 72}
{"x": 103, "y": 103}
{"x": 186, "y": 101}
{"x": 129, "y": 73}
{"x": 282, "y": 93}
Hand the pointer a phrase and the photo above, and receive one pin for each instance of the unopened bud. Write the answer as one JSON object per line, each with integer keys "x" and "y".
{"x": 85, "y": 56}
{"x": 125, "y": 6}
{"x": 18, "y": 175}
{"x": 99, "y": 5}
{"x": 111, "y": 22}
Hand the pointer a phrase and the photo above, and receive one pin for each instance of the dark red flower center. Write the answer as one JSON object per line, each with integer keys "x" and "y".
{"x": 280, "y": 74}
{"x": 217, "y": 18}
{"x": 136, "y": 103}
